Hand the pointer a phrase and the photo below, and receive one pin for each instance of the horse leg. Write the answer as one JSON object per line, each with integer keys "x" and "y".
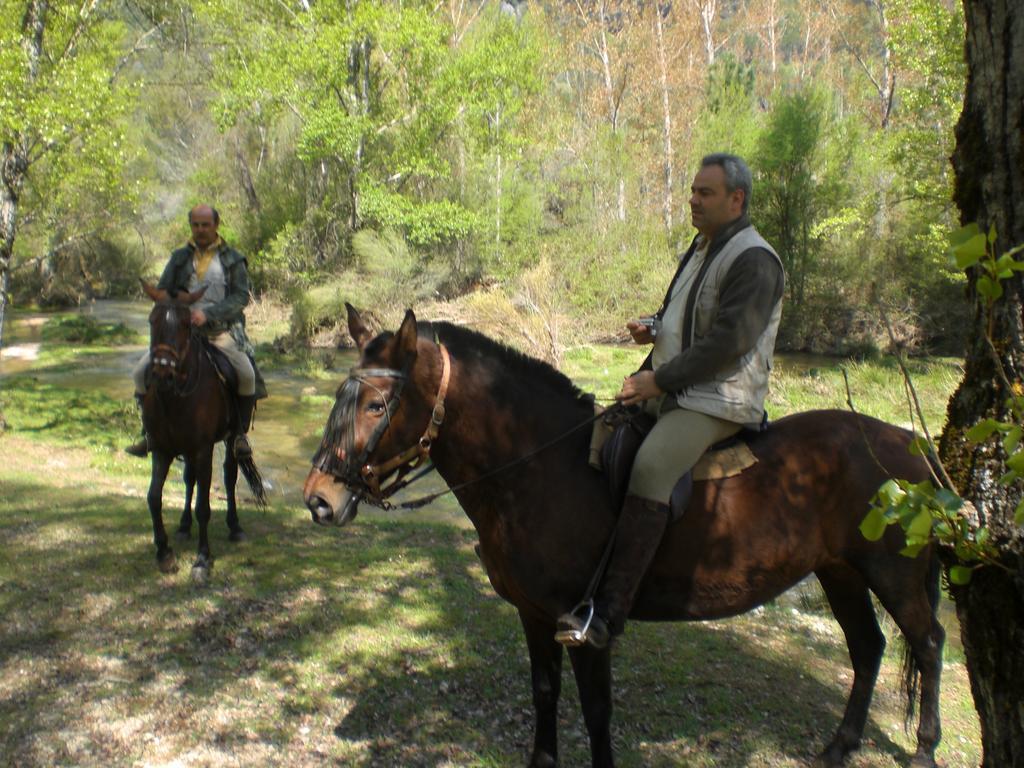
{"x": 185, "y": 525}
{"x": 912, "y": 602}
{"x": 230, "y": 481}
{"x": 546, "y": 683}
{"x": 850, "y": 600}
{"x": 593, "y": 671}
{"x": 204, "y": 474}
{"x": 161, "y": 463}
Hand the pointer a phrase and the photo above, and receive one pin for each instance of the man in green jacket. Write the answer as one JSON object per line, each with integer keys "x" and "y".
{"x": 208, "y": 262}
{"x": 705, "y": 379}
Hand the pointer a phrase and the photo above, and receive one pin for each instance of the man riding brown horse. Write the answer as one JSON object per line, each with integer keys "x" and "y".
{"x": 208, "y": 262}
{"x": 706, "y": 378}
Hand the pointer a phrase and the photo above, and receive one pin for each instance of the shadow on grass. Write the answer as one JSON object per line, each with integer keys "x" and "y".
{"x": 385, "y": 636}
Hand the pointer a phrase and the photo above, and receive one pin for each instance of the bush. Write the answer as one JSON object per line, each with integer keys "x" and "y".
{"x": 82, "y": 329}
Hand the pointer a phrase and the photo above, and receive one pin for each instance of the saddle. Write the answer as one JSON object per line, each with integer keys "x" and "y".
{"x": 616, "y": 440}
{"x": 226, "y": 371}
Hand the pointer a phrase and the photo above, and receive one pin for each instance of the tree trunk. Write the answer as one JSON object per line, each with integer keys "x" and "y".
{"x": 14, "y": 159}
{"x": 13, "y": 165}
{"x": 989, "y": 166}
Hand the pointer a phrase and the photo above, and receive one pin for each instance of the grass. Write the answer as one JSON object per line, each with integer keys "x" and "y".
{"x": 381, "y": 644}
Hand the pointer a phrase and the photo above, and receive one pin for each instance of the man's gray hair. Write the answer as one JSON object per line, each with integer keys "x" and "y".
{"x": 737, "y": 174}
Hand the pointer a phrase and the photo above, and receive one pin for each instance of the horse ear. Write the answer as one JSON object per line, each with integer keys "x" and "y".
{"x": 154, "y": 293}
{"x": 190, "y": 298}
{"x": 360, "y": 333}
{"x": 407, "y": 336}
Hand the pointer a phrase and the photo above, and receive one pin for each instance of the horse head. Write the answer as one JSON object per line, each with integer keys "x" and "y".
{"x": 170, "y": 330}
{"x": 380, "y": 425}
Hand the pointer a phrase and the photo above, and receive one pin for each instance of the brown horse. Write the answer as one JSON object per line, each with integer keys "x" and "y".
{"x": 187, "y": 410}
{"x": 477, "y": 407}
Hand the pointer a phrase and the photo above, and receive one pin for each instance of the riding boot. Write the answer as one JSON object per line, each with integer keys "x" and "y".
{"x": 638, "y": 533}
{"x": 140, "y": 447}
{"x": 240, "y": 445}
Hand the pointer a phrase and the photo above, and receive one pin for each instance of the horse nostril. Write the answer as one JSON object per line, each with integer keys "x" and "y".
{"x": 320, "y": 510}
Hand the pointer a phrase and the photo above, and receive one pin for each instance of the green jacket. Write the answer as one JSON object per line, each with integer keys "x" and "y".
{"x": 227, "y": 313}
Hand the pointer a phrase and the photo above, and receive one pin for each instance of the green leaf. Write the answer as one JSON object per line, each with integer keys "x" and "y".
{"x": 982, "y": 430}
{"x": 890, "y": 494}
{"x": 968, "y": 254}
{"x": 1013, "y": 252}
{"x": 989, "y": 288}
{"x": 873, "y": 525}
{"x": 960, "y": 236}
{"x": 919, "y": 447}
{"x": 1016, "y": 462}
{"x": 911, "y": 550}
{"x": 992, "y": 233}
{"x": 960, "y": 574}
{"x": 948, "y": 500}
{"x": 921, "y": 526}
{"x": 1012, "y": 438}
{"x": 1018, "y": 514}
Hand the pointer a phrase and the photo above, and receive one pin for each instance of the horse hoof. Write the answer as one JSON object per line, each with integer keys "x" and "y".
{"x": 168, "y": 563}
{"x": 200, "y": 575}
{"x": 183, "y": 534}
{"x": 237, "y": 536}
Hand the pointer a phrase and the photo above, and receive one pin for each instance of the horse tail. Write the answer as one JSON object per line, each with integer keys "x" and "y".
{"x": 911, "y": 672}
{"x": 254, "y": 479}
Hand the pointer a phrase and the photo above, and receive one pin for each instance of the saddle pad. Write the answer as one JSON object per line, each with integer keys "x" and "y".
{"x": 725, "y": 462}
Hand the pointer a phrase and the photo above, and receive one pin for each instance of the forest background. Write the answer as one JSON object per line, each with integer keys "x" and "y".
{"x": 523, "y": 167}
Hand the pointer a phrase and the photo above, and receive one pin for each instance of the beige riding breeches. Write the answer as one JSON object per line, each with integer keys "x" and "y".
{"x": 223, "y": 341}
{"x": 671, "y": 448}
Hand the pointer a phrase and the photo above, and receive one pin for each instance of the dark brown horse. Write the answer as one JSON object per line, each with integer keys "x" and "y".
{"x": 544, "y": 523}
{"x": 187, "y": 410}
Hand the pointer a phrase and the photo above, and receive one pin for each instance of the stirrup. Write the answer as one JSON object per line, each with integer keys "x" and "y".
{"x": 581, "y": 626}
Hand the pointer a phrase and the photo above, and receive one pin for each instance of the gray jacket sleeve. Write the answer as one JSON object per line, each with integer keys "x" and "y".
{"x": 750, "y": 289}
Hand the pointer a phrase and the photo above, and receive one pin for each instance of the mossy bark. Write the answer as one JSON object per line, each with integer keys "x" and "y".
{"x": 989, "y": 166}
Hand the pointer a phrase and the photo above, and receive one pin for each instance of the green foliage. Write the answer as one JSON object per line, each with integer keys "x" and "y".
{"x": 62, "y": 122}
{"x": 82, "y": 329}
{"x": 614, "y": 274}
{"x": 787, "y": 194}
{"x": 927, "y": 513}
{"x": 730, "y": 121}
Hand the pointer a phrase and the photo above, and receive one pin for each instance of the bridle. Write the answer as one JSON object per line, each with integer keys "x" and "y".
{"x": 369, "y": 475}
{"x": 364, "y": 483}
{"x": 167, "y": 356}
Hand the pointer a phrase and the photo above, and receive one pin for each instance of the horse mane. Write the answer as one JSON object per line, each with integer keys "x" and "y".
{"x": 515, "y": 366}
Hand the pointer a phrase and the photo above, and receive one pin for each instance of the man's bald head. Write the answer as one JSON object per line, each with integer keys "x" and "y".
{"x": 204, "y": 210}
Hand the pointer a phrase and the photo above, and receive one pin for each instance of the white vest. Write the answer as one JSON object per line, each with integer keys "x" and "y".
{"x": 736, "y": 394}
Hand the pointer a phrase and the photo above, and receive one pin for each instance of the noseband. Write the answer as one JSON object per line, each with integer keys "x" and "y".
{"x": 370, "y": 475}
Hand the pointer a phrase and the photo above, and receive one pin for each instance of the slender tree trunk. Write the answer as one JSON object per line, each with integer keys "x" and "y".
{"x": 245, "y": 177}
{"x": 10, "y": 186}
{"x": 666, "y": 122}
{"x": 497, "y": 186}
{"x": 989, "y": 166}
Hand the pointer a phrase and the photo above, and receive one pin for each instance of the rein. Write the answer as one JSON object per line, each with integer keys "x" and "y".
{"x": 424, "y": 500}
